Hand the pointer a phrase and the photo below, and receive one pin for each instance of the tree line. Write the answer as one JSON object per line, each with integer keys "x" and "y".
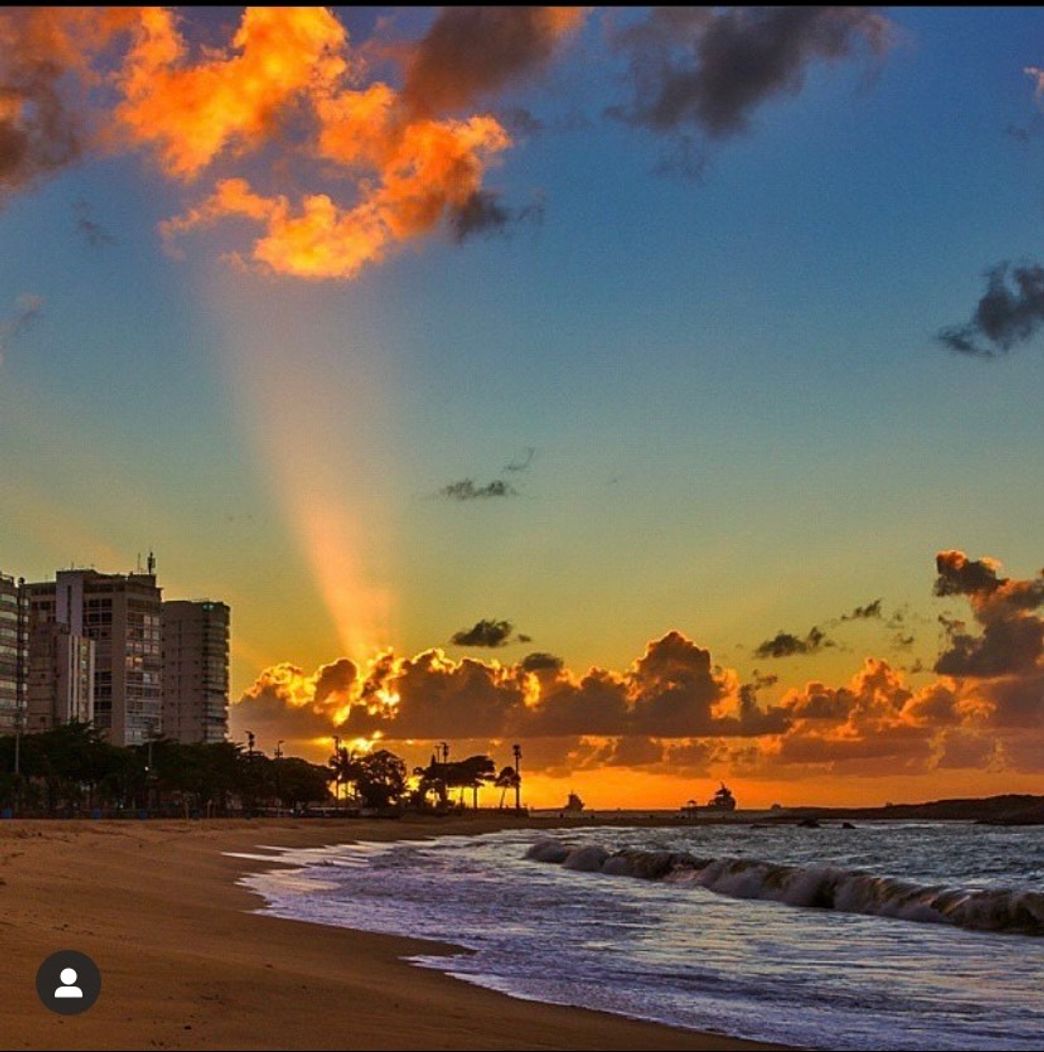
{"x": 72, "y": 770}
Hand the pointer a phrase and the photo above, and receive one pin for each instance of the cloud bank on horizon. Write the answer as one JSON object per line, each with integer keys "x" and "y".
{"x": 674, "y": 709}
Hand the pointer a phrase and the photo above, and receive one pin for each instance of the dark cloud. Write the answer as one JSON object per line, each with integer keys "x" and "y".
{"x": 335, "y": 679}
{"x": 674, "y": 686}
{"x": 864, "y": 727}
{"x": 483, "y": 215}
{"x": 1024, "y": 753}
{"x": 597, "y": 704}
{"x": 959, "y": 575}
{"x": 28, "y": 308}
{"x": 753, "y": 720}
{"x": 864, "y": 613}
{"x": 629, "y": 751}
{"x": 45, "y": 53}
{"x": 92, "y": 232}
{"x": 282, "y": 703}
{"x": 520, "y": 121}
{"x": 1017, "y": 703}
{"x": 542, "y": 662}
{"x": 38, "y": 134}
{"x": 465, "y": 699}
{"x": 523, "y": 462}
{"x": 936, "y": 705}
{"x": 897, "y": 749}
{"x": 467, "y": 489}
{"x": 1009, "y": 313}
{"x": 1012, "y": 639}
{"x": 785, "y": 644}
{"x": 708, "y": 69}
{"x": 472, "y": 52}
{"x": 692, "y": 758}
{"x": 1006, "y": 647}
{"x": 484, "y": 634}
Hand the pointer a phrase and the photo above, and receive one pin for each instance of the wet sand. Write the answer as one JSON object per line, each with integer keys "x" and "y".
{"x": 185, "y": 964}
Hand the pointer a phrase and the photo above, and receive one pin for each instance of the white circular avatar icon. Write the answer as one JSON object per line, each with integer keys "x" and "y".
{"x": 68, "y": 987}
{"x": 68, "y": 982}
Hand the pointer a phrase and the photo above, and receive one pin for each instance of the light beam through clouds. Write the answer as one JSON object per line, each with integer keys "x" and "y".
{"x": 320, "y": 421}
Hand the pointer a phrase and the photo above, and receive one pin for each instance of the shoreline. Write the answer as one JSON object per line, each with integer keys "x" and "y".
{"x": 188, "y": 959}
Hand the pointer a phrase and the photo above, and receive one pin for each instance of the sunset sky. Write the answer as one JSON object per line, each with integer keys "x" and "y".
{"x": 669, "y": 375}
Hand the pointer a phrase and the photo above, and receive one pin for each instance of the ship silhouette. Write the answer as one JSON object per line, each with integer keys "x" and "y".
{"x": 722, "y": 800}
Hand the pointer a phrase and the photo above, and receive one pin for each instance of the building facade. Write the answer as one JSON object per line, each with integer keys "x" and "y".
{"x": 14, "y": 653}
{"x": 61, "y": 678}
{"x": 121, "y": 614}
{"x": 195, "y": 670}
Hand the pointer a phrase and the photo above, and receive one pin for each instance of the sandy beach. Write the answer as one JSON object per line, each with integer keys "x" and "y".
{"x": 186, "y": 964}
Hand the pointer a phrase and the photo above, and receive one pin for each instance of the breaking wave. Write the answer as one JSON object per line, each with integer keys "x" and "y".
{"x": 815, "y": 886}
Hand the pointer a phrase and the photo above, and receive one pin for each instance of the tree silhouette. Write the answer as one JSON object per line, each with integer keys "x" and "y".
{"x": 508, "y": 778}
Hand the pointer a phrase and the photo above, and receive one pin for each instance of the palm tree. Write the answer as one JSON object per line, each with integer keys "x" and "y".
{"x": 507, "y": 779}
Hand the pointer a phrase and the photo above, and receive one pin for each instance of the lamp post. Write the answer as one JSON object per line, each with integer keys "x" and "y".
{"x": 278, "y": 780}
{"x": 516, "y": 751}
{"x": 148, "y": 765}
{"x": 18, "y": 759}
{"x": 18, "y": 744}
{"x": 337, "y": 771}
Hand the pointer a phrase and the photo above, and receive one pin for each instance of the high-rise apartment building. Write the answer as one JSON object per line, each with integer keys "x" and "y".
{"x": 14, "y": 653}
{"x": 61, "y": 678}
{"x": 195, "y": 670}
{"x": 121, "y": 613}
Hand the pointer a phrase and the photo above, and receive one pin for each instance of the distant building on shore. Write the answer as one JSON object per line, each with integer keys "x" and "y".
{"x": 121, "y": 613}
{"x": 195, "y": 670}
{"x": 14, "y": 653}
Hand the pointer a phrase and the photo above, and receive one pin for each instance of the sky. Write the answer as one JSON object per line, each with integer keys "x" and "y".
{"x": 642, "y": 386}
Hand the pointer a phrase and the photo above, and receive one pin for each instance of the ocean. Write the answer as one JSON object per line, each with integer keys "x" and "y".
{"x": 886, "y": 936}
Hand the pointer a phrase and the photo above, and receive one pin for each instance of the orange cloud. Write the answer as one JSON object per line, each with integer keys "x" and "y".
{"x": 425, "y": 169}
{"x": 189, "y": 113}
{"x": 674, "y": 708}
{"x": 287, "y": 79}
{"x": 409, "y": 173}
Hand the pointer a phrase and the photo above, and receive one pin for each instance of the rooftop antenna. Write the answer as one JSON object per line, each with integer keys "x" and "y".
{"x": 151, "y": 563}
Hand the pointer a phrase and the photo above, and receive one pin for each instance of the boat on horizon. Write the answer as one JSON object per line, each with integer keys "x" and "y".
{"x": 722, "y": 800}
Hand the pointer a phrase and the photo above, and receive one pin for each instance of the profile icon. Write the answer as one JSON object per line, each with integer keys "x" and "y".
{"x": 68, "y": 988}
{"x": 68, "y": 982}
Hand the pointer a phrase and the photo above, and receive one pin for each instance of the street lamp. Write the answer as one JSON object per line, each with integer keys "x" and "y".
{"x": 278, "y": 780}
{"x": 516, "y": 751}
{"x": 337, "y": 770}
{"x": 18, "y": 727}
